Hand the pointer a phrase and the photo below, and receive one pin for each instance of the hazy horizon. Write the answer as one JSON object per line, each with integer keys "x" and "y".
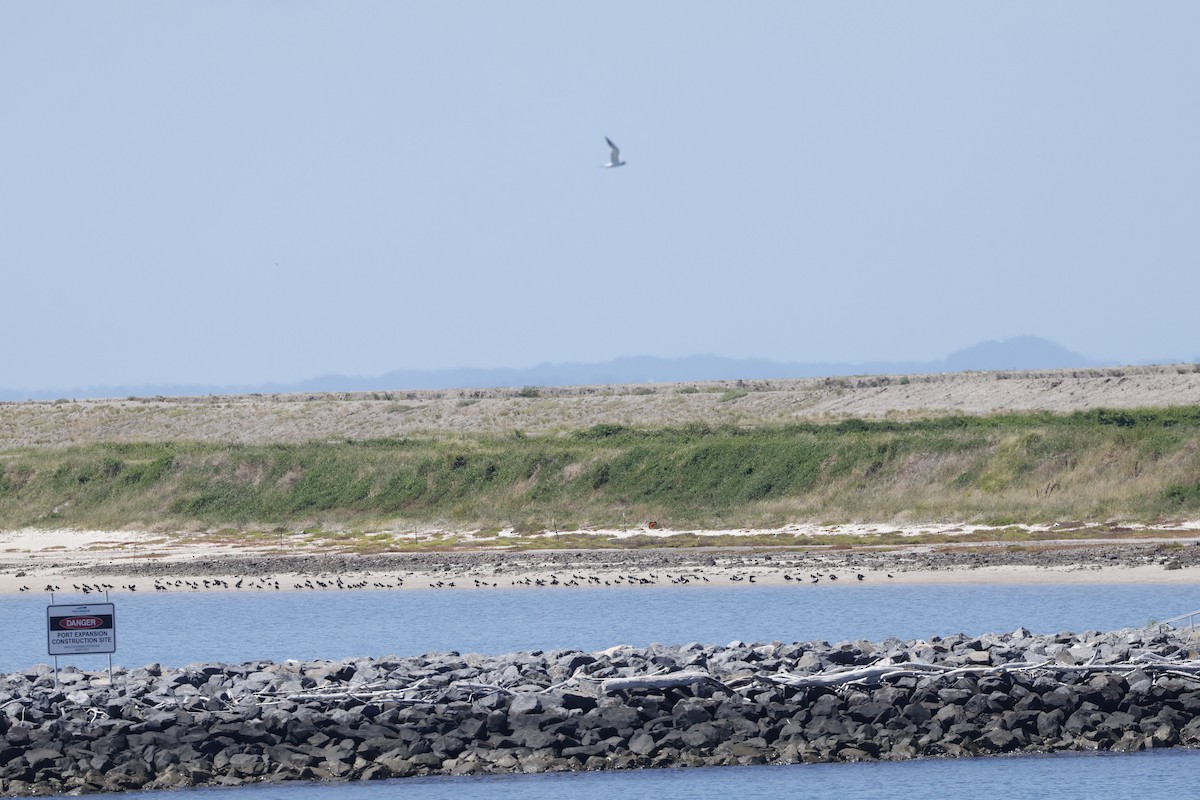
{"x": 1072, "y": 360}
{"x": 1023, "y": 353}
{"x": 232, "y": 194}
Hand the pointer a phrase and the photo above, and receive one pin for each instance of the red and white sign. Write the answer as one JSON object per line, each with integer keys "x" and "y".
{"x": 89, "y": 628}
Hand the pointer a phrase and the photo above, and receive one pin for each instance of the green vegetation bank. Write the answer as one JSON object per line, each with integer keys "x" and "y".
{"x": 1131, "y": 465}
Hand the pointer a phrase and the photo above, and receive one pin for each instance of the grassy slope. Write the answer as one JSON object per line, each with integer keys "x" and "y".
{"x": 1127, "y": 465}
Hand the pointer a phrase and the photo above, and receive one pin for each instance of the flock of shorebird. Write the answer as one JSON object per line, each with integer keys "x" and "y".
{"x": 86, "y": 588}
{"x": 336, "y": 583}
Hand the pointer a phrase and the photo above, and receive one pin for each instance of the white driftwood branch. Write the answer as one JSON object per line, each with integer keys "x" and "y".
{"x": 383, "y": 694}
{"x": 670, "y": 680}
{"x": 888, "y": 671}
{"x": 486, "y": 688}
{"x": 870, "y": 674}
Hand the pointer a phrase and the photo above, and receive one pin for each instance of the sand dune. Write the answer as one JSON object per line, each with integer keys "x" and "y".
{"x": 306, "y": 417}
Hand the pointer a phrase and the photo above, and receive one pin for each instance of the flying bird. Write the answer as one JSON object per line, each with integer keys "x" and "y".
{"x": 616, "y": 155}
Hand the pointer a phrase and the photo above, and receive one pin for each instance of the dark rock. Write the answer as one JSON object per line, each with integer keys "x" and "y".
{"x": 918, "y": 713}
{"x": 870, "y": 711}
{"x": 643, "y": 744}
{"x": 525, "y": 704}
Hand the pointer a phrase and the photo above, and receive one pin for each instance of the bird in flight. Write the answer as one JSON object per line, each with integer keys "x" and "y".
{"x": 616, "y": 155}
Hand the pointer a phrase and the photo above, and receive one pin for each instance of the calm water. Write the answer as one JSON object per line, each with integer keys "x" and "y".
{"x": 177, "y": 628}
{"x": 1166, "y": 775}
{"x": 181, "y": 628}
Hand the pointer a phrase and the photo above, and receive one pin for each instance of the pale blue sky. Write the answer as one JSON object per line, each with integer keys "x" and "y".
{"x": 236, "y": 192}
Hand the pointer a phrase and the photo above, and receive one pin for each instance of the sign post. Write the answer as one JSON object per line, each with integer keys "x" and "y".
{"x": 79, "y": 629}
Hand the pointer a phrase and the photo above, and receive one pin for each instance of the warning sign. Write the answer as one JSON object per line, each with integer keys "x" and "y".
{"x": 82, "y": 629}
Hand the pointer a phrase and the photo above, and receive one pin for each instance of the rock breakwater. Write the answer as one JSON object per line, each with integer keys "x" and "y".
{"x": 622, "y": 708}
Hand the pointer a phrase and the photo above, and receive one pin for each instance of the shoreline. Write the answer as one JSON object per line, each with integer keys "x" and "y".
{"x": 92, "y": 562}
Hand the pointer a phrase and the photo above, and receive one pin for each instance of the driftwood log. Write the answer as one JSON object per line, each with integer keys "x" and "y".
{"x": 670, "y": 680}
{"x": 877, "y": 673}
{"x": 1151, "y": 664}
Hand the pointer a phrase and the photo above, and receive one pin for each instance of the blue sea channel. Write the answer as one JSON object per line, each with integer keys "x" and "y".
{"x": 181, "y": 628}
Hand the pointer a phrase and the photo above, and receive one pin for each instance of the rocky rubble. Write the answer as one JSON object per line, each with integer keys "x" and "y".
{"x": 466, "y": 714}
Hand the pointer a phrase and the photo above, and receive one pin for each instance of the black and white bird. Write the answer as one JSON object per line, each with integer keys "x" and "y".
{"x": 615, "y": 161}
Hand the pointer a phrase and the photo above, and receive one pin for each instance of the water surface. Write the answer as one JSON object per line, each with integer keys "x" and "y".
{"x": 181, "y": 628}
{"x": 1162, "y": 775}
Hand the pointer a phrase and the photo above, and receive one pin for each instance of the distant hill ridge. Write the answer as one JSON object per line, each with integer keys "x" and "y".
{"x": 1020, "y": 353}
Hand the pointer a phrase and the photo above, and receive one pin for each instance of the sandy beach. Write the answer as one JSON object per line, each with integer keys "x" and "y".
{"x": 93, "y": 562}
